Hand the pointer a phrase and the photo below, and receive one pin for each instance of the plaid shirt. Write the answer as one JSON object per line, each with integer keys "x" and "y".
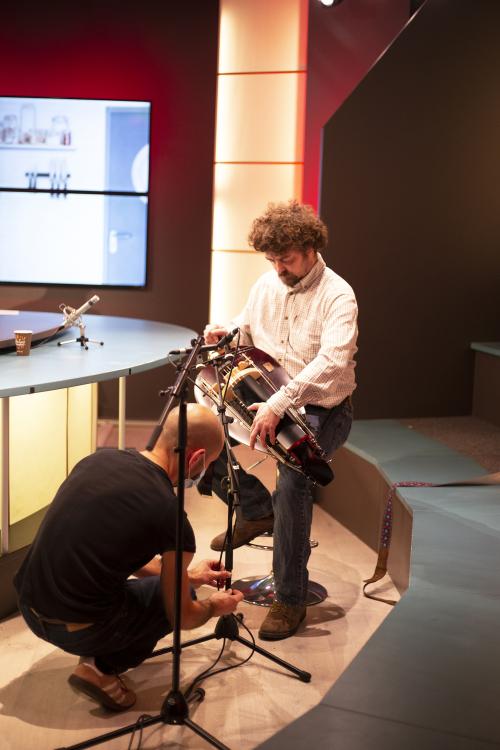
{"x": 310, "y": 329}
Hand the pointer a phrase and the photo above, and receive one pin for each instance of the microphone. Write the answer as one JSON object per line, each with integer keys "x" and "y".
{"x": 72, "y": 316}
{"x": 176, "y": 354}
{"x": 225, "y": 340}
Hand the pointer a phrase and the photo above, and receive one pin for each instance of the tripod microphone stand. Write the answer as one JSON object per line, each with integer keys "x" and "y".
{"x": 82, "y": 339}
{"x": 74, "y": 317}
{"x": 228, "y": 625}
{"x": 175, "y": 708}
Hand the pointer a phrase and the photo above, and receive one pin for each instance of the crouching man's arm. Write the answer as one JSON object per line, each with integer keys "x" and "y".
{"x": 193, "y": 612}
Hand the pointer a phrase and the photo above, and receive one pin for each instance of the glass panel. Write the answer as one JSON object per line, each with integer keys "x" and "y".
{"x": 72, "y": 239}
{"x": 242, "y": 192}
{"x": 269, "y": 112}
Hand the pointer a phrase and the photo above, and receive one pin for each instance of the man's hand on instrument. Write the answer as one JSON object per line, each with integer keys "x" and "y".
{"x": 210, "y": 572}
{"x": 264, "y": 424}
{"x": 213, "y": 333}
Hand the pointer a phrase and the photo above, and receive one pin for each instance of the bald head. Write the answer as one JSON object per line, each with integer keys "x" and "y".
{"x": 204, "y": 430}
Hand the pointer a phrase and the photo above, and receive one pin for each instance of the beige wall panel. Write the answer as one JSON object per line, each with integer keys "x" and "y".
{"x": 4, "y": 409}
{"x": 260, "y": 118}
{"x": 82, "y": 422}
{"x": 37, "y": 450}
{"x": 242, "y": 192}
{"x": 232, "y": 276}
{"x": 259, "y": 35}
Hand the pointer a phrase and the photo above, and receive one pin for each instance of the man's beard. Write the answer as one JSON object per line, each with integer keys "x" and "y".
{"x": 289, "y": 278}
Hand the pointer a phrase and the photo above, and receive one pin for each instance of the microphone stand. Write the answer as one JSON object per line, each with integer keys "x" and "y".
{"x": 175, "y": 706}
{"x": 228, "y": 625}
{"x": 74, "y": 317}
{"x": 82, "y": 339}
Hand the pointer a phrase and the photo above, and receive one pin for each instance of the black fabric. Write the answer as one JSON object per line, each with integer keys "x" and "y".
{"x": 112, "y": 515}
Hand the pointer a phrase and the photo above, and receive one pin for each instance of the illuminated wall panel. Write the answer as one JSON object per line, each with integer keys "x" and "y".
{"x": 242, "y": 192}
{"x": 4, "y": 462}
{"x": 259, "y": 144}
{"x": 262, "y": 35}
{"x": 267, "y": 108}
{"x": 37, "y": 450}
{"x": 232, "y": 276}
{"x": 48, "y": 433}
{"x": 82, "y": 421}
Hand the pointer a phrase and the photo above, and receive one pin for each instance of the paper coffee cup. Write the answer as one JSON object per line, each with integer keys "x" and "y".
{"x": 23, "y": 342}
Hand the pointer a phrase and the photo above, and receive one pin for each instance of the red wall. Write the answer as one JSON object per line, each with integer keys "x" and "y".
{"x": 163, "y": 52}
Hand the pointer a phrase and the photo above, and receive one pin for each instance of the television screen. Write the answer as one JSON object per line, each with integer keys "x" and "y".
{"x": 74, "y": 184}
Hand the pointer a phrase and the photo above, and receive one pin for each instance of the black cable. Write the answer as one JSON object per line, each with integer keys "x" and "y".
{"x": 193, "y": 382}
{"x": 208, "y": 673}
{"x": 205, "y": 672}
{"x": 139, "y": 727}
{"x": 251, "y": 638}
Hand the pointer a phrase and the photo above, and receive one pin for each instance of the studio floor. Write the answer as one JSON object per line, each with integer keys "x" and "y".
{"x": 243, "y": 706}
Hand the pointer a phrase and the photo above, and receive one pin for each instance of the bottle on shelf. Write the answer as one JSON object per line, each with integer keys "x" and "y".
{"x": 27, "y": 129}
{"x": 10, "y": 129}
{"x": 59, "y": 134}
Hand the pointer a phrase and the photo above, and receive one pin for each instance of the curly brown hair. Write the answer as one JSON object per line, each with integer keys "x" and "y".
{"x": 287, "y": 225}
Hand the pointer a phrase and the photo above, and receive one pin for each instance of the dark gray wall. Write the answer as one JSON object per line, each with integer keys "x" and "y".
{"x": 409, "y": 189}
{"x": 344, "y": 42}
{"x": 162, "y": 52}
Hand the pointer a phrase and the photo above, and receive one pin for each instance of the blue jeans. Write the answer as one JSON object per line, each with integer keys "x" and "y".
{"x": 127, "y": 637}
{"x": 291, "y": 503}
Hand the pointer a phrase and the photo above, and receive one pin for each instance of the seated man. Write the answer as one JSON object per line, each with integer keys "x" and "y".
{"x": 304, "y": 315}
{"x": 109, "y": 519}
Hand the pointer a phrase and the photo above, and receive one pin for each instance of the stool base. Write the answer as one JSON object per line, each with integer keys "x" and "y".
{"x": 260, "y": 590}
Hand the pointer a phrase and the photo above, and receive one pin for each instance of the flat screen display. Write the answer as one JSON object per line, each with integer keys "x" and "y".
{"x": 74, "y": 187}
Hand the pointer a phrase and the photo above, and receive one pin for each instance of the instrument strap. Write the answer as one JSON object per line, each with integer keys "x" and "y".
{"x": 386, "y": 533}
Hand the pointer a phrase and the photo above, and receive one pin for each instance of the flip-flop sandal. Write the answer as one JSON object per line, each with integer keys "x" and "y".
{"x": 115, "y": 696}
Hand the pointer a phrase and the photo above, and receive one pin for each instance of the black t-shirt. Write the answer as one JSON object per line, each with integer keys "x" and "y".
{"x": 112, "y": 515}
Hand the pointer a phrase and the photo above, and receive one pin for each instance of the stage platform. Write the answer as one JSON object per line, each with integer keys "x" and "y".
{"x": 428, "y": 677}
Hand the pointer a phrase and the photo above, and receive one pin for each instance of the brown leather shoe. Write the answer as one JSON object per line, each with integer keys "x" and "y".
{"x": 282, "y": 621}
{"x": 244, "y": 532}
{"x": 107, "y": 689}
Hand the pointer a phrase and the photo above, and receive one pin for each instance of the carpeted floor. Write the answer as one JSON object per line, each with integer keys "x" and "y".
{"x": 243, "y": 706}
{"x": 468, "y": 435}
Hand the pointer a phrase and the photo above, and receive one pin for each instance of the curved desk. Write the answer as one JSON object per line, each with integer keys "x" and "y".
{"x": 41, "y": 324}
{"x": 130, "y": 346}
{"x": 49, "y": 408}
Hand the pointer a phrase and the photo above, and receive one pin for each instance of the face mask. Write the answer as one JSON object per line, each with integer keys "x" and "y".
{"x": 193, "y": 482}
